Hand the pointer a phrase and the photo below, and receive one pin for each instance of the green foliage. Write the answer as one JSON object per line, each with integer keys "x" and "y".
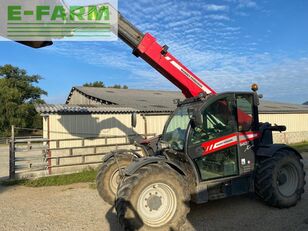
{"x": 118, "y": 86}
{"x": 101, "y": 84}
{"x": 17, "y": 98}
{"x": 88, "y": 175}
{"x": 95, "y": 84}
{"x": 301, "y": 147}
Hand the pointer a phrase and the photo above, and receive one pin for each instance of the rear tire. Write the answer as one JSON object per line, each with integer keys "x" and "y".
{"x": 108, "y": 177}
{"x": 156, "y": 197}
{"x": 280, "y": 180}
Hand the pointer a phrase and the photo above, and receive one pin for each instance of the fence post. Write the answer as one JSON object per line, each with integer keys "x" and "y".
{"x": 12, "y": 153}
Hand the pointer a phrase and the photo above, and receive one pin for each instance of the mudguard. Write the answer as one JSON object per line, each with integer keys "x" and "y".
{"x": 120, "y": 152}
{"x": 271, "y": 149}
{"x": 139, "y": 163}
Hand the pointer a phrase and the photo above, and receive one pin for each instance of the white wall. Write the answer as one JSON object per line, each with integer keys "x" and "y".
{"x": 76, "y": 126}
{"x": 294, "y": 122}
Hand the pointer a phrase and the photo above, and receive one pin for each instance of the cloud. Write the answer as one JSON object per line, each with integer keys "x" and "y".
{"x": 213, "y": 7}
{"x": 246, "y": 4}
{"x": 280, "y": 78}
{"x": 218, "y": 17}
{"x": 208, "y": 43}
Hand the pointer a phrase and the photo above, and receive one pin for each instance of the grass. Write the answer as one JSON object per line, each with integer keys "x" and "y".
{"x": 88, "y": 175}
{"x": 301, "y": 147}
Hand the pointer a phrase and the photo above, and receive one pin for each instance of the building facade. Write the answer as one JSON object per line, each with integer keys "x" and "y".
{"x": 91, "y": 116}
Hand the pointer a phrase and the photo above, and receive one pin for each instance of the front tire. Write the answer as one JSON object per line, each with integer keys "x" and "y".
{"x": 108, "y": 177}
{"x": 280, "y": 180}
{"x": 154, "y": 198}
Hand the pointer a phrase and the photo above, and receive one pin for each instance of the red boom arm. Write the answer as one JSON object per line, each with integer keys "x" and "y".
{"x": 171, "y": 68}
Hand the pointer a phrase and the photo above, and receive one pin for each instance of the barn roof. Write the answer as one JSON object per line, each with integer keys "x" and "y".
{"x": 162, "y": 101}
{"x": 125, "y": 101}
{"x": 143, "y": 100}
{"x": 90, "y": 109}
{"x": 269, "y": 107}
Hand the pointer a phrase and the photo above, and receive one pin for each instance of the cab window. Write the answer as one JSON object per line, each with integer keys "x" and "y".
{"x": 244, "y": 112}
{"x": 217, "y": 121}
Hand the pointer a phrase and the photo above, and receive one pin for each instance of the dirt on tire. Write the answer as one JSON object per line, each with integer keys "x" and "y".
{"x": 105, "y": 184}
{"x": 132, "y": 187}
{"x": 267, "y": 179}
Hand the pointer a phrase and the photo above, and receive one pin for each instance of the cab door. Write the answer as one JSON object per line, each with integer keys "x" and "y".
{"x": 247, "y": 120}
{"x": 214, "y": 145}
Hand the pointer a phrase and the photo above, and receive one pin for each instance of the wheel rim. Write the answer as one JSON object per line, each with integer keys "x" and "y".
{"x": 157, "y": 204}
{"x": 115, "y": 180}
{"x": 287, "y": 180}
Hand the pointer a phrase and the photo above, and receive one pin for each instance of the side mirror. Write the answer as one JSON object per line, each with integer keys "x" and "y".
{"x": 134, "y": 119}
{"x": 196, "y": 116}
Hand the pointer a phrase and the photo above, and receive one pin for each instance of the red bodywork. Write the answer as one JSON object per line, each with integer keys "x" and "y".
{"x": 190, "y": 85}
{"x": 171, "y": 68}
{"x": 228, "y": 141}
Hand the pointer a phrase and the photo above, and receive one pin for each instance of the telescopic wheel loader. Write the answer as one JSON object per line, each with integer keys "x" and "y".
{"x": 213, "y": 146}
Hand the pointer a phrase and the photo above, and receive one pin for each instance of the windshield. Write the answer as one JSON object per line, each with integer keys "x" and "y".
{"x": 174, "y": 133}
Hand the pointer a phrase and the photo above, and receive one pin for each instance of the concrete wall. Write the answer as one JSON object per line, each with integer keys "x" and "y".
{"x": 290, "y": 137}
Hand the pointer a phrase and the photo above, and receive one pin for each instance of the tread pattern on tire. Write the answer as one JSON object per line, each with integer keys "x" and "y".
{"x": 264, "y": 179}
{"x": 126, "y": 188}
{"x": 101, "y": 185}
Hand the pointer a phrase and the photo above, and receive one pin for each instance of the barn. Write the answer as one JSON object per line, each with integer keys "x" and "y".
{"x": 94, "y": 121}
{"x": 91, "y": 111}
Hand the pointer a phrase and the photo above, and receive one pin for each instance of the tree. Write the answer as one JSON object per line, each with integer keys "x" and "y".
{"x": 306, "y": 103}
{"x": 95, "y": 84}
{"x": 118, "y": 86}
{"x": 17, "y": 98}
{"x": 101, "y": 84}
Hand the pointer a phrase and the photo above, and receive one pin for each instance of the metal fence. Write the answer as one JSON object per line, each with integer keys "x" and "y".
{"x": 39, "y": 156}
{"x": 6, "y": 140}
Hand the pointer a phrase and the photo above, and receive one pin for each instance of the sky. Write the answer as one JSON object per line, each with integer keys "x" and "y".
{"x": 229, "y": 44}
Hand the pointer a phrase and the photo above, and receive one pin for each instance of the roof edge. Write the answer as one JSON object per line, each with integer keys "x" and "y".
{"x": 61, "y": 109}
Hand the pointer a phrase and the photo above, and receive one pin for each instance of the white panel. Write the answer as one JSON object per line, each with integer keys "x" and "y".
{"x": 294, "y": 122}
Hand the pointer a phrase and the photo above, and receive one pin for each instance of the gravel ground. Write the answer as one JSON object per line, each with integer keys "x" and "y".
{"x": 77, "y": 207}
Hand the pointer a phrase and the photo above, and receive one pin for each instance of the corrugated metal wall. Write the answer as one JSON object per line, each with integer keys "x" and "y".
{"x": 297, "y": 127}
{"x": 156, "y": 123}
{"x": 294, "y": 122}
{"x": 82, "y": 126}
{"x": 85, "y": 126}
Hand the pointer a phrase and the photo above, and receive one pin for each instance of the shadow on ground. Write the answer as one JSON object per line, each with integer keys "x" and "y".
{"x": 112, "y": 219}
{"x": 4, "y": 188}
{"x": 238, "y": 213}
{"x": 246, "y": 212}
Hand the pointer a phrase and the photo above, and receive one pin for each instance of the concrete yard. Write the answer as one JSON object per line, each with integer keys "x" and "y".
{"x": 78, "y": 207}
